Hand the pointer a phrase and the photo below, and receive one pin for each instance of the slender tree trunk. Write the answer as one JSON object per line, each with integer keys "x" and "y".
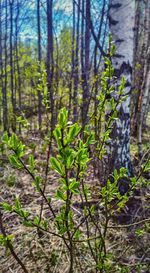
{"x": 18, "y": 80}
{"x": 4, "y": 88}
{"x": 142, "y": 112}
{"x": 39, "y": 62}
{"x": 141, "y": 69}
{"x": 50, "y": 58}
{"x": 86, "y": 92}
{"x": 141, "y": 44}
{"x": 13, "y": 98}
{"x": 82, "y": 45}
{"x": 96, "y": 70}
{"x": 72, "y": 59}
{"x": 121, "y": 21}
{"x": 76, "y": 67}
{"x": 57, "y": 78}
{"x": 1, "y": 63}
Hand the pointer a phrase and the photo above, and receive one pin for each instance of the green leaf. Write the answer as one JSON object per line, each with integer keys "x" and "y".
{"x": 7, "y": 207}
{"x": 4, "y": 239}
{"x": 115, "y": 175}
{"x": 13, "y": 141}
{"x": 37, "y": 183}
{"x": 146, "y": 168}
{"x": 140, "y": 232}
{"x": 36, "y": 220}
{"x": 69, "y": 157}
{"x": 86, "y": 191}
{"x": 15, "y": 162}
{"x": 28, "y": 223}
{"x": 17, "y": 204}
{"x": 14, "y": 144}
{"x": 92, "y": 209}
{"x": 77, "y": 235}
{"x": 23, "y": 213}
{"x": 57, "y": 134}
{"x": 62, "y": 230}
{"x": 90, "y": 140}
{"x": 133, "y": 181}
{"x": 74, "y": 186}
{"x": 20, "y": 150}
{"x": 31, "y": 163}
{"x": 123, "y": 172}
{"x": 60, "y": 195}
{"x": 122, "y": 85}
{"x": 73, "y": 132}
{"x": 56, "y": 166}
{"x": 70, "y": 161}
{"x": 63, "y": 118}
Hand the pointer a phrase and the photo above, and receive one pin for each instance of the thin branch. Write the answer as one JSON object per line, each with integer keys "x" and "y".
{"x": 10, "y": 246}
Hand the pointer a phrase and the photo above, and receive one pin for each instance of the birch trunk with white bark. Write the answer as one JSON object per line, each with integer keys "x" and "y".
{"x": 121, "y": 22}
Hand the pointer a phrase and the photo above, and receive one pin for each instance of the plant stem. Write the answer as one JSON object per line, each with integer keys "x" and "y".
{"x": 10, "y": 246}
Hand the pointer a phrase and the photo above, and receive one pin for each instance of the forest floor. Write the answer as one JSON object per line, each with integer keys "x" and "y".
{"x": 130, "y": 246}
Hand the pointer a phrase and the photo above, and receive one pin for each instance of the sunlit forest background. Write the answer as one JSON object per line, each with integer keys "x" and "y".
{"x": 74, "y": 136}
{"x": 50, "y": 45}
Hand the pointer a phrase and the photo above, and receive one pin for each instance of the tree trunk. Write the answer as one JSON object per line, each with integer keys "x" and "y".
{"x": 4, "y": 88}
{"x": 121, "y": 22}
{"x": 72, "y": 58}
{"x": 141, "y": 44}
{"x": 13, "y": 95}
{"x": 39, "y": 62}
{"x": 50, "y": 58}
{"x": 86, "y": 92}
{"x": 143, "y": 103}
{"x": 96, "y": 69}
{"x": 76, "y": 67}
{"x": 17, "y": 59}
{"x": 1, "y": 63}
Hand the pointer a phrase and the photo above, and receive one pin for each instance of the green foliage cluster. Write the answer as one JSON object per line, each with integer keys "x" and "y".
{"x": 71, "y": 163}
